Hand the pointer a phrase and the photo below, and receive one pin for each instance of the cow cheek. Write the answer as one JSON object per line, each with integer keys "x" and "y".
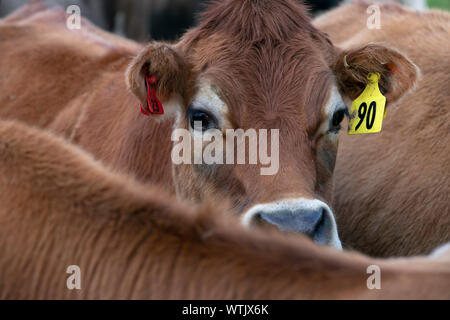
{"x": 184, "y": 182}
{"x": 326, "y": 153}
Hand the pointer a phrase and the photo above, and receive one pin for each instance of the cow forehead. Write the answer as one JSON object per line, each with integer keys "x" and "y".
{"x": 266, "y": 80}
{"x": 265, "y": 56}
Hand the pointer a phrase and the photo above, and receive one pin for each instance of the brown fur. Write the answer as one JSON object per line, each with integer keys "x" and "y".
{"x": 272, "y": 67}
{"x": 392, "y": 189}
{"x": 60, "y": 207}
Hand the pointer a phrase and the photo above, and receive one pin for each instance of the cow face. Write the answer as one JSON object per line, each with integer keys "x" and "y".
{"x": 260, "y": 67}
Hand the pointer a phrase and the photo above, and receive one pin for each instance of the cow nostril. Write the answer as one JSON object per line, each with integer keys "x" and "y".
{"x": 320, "y": 223}
{"x": 260, "y": 222}
{"x": 313, "y": 221}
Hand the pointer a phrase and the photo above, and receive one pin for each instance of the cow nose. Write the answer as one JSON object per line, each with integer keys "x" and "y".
{"x": 310, "y": 217}
{"x": 309, "y": 222}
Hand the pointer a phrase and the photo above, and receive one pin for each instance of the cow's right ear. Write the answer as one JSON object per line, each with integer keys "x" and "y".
{"x": 171, "y": 74}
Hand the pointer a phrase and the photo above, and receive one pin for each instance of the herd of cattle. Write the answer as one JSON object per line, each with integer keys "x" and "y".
{"x": 87, "y": 180}
{"x": 155, "y": 19}
{"x": 141, "y": 19}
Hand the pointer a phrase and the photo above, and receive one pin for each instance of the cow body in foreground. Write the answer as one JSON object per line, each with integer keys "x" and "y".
{"x": 392, "y": 189}
{"x": 61, "y": 208}
{"x": 264, "y": 66}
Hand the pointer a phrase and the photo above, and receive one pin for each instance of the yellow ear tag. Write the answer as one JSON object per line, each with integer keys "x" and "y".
{"x": 368, "y": 110}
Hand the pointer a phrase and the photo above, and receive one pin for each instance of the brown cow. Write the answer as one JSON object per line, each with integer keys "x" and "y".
{"x": 249, "y": 64}
{"x": 60, "y": 208}
{"x": 392, "y": 189}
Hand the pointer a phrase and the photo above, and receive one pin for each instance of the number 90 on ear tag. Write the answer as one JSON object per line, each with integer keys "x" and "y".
{"x": 367, "y": 111}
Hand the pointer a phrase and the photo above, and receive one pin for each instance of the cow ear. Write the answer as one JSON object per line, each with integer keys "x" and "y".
{"x": 398, "y": 74}
{"x": 170, "y": 72}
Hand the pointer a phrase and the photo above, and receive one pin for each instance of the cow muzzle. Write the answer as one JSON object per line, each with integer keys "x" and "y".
{"x": 310, "y": 217}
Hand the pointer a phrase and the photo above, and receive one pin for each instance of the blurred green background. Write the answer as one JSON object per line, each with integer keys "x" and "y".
{"x": 442, "y": 4}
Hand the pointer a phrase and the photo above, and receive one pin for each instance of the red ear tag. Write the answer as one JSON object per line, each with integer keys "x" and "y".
{"x": 153, "y": 103}
{"x": 143, "y": 111}
{"x": 153, "y": 106}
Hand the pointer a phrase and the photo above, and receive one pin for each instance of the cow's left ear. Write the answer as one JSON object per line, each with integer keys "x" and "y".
{"x": 398, "y": 74}
{"x": 166, "y": 67}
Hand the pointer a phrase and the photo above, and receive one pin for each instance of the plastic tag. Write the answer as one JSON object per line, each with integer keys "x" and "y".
{"x": 368, "y": 110}
{"x": 153, "y": 106}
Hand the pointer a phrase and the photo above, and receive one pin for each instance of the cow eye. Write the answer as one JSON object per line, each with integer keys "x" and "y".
{"x": 206, "y": 120}
{"x": 338, "y": 116}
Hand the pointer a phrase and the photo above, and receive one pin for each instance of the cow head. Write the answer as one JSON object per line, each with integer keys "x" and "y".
{"x": 252, "y": 65}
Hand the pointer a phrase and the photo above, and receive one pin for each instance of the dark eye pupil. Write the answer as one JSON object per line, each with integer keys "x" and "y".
{"x": 201, "y": 117}
{"x": 338, "y": 117}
